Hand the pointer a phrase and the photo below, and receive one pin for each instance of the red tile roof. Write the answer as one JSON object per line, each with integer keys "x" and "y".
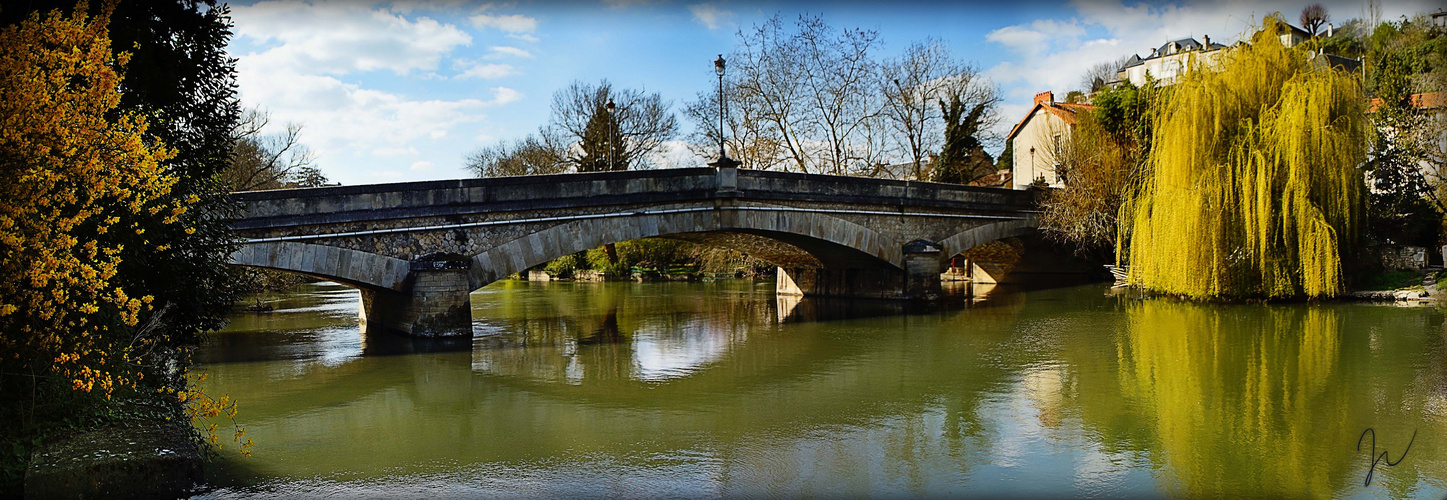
{"x": 997, "y": 179}
{"x": 1065, "y": 110}
{"x": 1430, "y": 100}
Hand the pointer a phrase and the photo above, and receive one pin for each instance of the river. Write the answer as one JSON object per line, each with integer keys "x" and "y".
{"x": 722, "y": 389}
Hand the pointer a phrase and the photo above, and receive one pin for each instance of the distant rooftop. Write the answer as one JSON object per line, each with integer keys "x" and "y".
{"x": 1171, "y": 48}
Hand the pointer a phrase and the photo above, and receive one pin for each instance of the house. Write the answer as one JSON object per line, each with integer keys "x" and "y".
{"x": 1173, "y": 59}
{"x": 1002, "y": 178}
{"x": 1433, "y": 107}
{"x": 1292, "y": 35}
{"x": 904, "y": 171}
{"x": 1040, "y": 141}
{"x": 1169, "y": 61}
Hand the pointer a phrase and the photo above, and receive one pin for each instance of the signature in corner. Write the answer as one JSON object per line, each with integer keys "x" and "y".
{"x": 1383, "y": 456}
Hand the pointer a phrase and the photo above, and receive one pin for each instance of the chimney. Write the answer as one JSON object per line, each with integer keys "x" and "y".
{"x": 1330, "y": 30}
{"x": 1206, "y": 46}
{"x": 1046, "y": 98}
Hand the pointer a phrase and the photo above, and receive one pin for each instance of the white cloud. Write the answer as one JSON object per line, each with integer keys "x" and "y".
{"x": 504, "y": 95}
{"x": 524, "y": 37}
{"x": 511, "y": 23}
{"x": 356, "y": 37}
{"x": 1018, "y": 38}
{"x": 307, "y": 64}
{"x": 407, "y": 151}
{"x": 500, "y": 51}
{"x": 487, "y": 71}
{"x": 343, "y": 121}
{"x": 710, "y": 15}
{"x": 675, "y": 154}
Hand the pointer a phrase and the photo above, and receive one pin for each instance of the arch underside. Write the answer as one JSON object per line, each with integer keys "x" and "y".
{"x": 795, "y": 240}
{"x": 973, "y": 237}
{"x": 350, "y": 267}
{"x": 788, "y": 240}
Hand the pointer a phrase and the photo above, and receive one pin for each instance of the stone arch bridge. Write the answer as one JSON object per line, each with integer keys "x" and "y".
{"x": 417, "y": 249}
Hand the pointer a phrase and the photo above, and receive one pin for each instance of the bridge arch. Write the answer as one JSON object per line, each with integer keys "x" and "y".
{"x": 976, "y": 236}
{"x": 351, "y": 267}
{"x": 829, "y": 239}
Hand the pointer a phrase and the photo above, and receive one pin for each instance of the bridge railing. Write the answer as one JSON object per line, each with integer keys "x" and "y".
{"x": 341, "y": 204}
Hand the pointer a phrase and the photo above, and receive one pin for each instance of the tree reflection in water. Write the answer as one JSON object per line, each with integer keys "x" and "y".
{"x": 1251, "y": 400}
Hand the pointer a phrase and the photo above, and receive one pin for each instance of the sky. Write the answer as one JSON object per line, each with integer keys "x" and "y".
{"x": 402, "y": 91}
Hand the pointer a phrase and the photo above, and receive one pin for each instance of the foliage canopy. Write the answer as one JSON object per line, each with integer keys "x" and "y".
{"x": 1253, "y": 186}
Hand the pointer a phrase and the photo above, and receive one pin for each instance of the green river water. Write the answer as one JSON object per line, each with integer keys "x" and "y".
{"x": 721, "y": 389}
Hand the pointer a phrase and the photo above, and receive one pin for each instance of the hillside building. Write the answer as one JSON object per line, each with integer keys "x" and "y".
{"x": 1040, "y": 140}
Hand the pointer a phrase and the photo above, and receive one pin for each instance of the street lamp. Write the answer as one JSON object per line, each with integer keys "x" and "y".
{"x": 612, "y": 131}
{"x": 723, "y": 158}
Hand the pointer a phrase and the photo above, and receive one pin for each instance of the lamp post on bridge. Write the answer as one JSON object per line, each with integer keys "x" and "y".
{"x": 727, "y": 176}
{"x": 723, "y": 158}
{"x": 612, "y": 131}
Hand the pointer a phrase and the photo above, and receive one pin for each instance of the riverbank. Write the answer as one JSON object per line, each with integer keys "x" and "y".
{"x": 642, "y": 276}
{"x": 134, "y": 458}
{"x": 1405, "y": 287}
{"x": 1417, "y": 287}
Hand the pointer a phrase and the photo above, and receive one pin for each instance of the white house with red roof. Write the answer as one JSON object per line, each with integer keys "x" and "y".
{"x": 1040, "y": 140}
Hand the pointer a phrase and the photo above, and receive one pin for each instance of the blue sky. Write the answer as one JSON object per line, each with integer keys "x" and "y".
{"x": 401, "y": 91}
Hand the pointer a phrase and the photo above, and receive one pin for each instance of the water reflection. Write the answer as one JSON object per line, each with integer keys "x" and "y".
{"x": 1268, "y": 401}
{"x": 318, "y": 322}
{"x": 620, "y": 389}
{"x": 610, "y": 331}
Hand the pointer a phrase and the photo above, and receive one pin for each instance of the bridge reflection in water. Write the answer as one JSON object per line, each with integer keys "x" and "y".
{"x": 622, "y": 389}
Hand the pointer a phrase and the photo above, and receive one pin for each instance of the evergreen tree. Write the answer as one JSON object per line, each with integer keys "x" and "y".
{"x": 603, "y": 147}
{"x": 962, "y": 158}
{"x": 1006, "y": 160}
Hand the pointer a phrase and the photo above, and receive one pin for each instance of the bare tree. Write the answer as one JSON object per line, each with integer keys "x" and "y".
{"x": 747, "y": 141}
{"x": 911, "y": 85}
{"x": 1100, "y": 74}
{"x": 915, "y": 84}
{"x": 1313, "y": 17}
{"x": 840, "y": 88}
{"x": 269, "y": 161}
{"x": 809, "y": 93}
{"x": 537, "y": 154}
{"x": 637, "y": 126}
{"x": 768, "y": 75}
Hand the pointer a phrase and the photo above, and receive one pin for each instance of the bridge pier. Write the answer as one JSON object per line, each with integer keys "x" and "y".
{"x": 439, "y": 305}
{"x": 920, "y": 280}
{"x": 922, "y": 267}
{"x": 832, "y": 282}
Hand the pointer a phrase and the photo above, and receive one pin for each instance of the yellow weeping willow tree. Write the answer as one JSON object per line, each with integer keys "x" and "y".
{"x": 1252, "y": 188}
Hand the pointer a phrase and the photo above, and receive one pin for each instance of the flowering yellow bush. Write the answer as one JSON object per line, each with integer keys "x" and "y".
{"x": 69, "y": 177}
